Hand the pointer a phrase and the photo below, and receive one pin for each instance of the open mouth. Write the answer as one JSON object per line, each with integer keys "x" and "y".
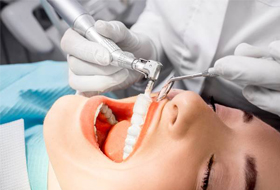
{"x": 105, "y": 124}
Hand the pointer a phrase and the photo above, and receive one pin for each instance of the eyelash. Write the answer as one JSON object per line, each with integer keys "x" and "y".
{"x": 206, "y": 177}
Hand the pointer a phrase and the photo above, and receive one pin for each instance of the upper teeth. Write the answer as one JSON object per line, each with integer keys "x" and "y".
{"x": 134, "y": 130}
{"x": 140, "y": 110}
{"x": 137, "y": 119}
{"x": 95, "y": 117}
{"x": 142, "y": 104}
{"x": 130, "y": 140}
{"x": 107, "y": 113}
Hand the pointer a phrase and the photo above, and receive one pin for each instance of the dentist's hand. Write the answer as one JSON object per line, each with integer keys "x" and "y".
{"x": 258, "y": 70}
{"x": 90, "y": 71}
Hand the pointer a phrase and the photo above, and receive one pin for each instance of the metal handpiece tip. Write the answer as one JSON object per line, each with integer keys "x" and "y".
{"x": 149, "y": 88}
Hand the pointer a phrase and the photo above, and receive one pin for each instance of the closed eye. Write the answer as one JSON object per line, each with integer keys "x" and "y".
{"x": 205, "y": 180}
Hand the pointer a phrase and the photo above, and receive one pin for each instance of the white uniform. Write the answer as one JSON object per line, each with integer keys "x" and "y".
{"x": 195, "y": 33}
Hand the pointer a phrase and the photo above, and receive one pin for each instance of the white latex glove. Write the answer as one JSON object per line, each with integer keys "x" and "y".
{"x": 258, "y": 70}
{"x": 90, "y": 71}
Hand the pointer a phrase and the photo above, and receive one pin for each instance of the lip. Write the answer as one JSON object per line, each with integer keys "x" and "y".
{"x": 123, "y": 110}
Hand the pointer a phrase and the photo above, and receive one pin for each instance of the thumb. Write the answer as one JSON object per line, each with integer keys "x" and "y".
{"x": 268, "y": 100}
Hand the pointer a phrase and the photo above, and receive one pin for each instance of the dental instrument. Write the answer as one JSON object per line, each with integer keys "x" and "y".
{"x": 167, "y": 87}
{"x": 83, "y": 23}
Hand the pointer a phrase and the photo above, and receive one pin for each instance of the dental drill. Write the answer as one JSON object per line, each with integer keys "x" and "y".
{"x": 83, "y": 23}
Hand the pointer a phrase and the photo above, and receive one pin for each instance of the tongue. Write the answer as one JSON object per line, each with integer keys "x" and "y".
{"x": 114, "y": 144}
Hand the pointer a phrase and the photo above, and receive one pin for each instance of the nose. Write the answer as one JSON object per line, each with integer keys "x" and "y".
{"x": 190, "y": 103}
{"x": 186, "y": 108}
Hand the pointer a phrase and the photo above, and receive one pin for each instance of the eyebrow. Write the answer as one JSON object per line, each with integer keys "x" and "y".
{"x": 250, "y": 173}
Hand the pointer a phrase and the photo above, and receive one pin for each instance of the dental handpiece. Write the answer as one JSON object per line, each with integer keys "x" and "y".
{"x": 83, "y": 23}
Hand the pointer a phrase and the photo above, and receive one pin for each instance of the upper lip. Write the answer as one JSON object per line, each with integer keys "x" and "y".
{"x": 91, "y": 105}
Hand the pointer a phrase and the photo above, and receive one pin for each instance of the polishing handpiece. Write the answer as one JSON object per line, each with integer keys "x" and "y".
{"x": 83, "y": 23}
{"x": 151, "y": 70}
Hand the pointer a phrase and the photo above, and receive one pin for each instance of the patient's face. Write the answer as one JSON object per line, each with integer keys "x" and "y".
{"x": 184, "y": 144}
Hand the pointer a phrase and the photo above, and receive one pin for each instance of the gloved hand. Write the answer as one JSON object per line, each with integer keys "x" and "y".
{"x": 89, "y": 69}
{"x": 258, "y": 70}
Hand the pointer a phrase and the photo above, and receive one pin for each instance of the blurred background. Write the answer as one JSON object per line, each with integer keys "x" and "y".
{"x": 31, "y": 30}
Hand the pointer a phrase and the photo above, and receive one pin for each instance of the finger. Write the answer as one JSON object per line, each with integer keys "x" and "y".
{"x": 251, "y": 51}
{"x": 114, "y": 30}
{"x": 249, "y": 71}
{"x": 76, "y": 45}
{"x": 96, "y": 83}
{"x": 119, "y": 33}
{"x": 80, "y": 67}
{"x": 274, "y": 49}
{"x": 265, "y": 99}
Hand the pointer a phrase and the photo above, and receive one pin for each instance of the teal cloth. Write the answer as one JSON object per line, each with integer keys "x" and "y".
{"x": 36, "y": 157}
{"x": 28, "y": 91}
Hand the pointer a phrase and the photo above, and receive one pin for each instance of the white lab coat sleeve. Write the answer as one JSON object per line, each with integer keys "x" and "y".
{"x": 150, "y": 23}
